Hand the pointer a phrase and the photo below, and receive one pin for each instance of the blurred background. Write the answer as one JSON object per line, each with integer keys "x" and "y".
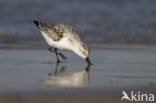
{"x": 98, "y": 21}
{"x": 29, "y": 72}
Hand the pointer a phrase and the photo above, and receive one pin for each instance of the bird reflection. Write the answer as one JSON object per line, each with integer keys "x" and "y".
{"x": 67, "y": 79}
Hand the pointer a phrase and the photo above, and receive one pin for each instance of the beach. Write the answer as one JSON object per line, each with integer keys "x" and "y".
{"x": 120, "y": 34}
{"x": 29, "y": 74}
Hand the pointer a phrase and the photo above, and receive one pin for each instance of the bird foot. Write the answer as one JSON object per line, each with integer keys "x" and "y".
{"x": 63, "y": 57}
{"x": 58, "y": 61}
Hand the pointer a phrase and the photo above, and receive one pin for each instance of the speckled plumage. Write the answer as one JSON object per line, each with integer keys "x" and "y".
{"x": 64, "y": 37}
{"x": 57, "y": 31}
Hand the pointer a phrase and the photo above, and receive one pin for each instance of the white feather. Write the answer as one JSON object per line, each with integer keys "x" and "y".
{"x": 62, "y": 44}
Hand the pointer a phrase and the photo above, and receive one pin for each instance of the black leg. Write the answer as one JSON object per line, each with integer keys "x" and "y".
{"x": 56, "y": 68}
{"x": 58, "y": 53}
{"x": 58, "y": 61}
{"x": 55, "y": 51}
{"x": 63, "y": 57}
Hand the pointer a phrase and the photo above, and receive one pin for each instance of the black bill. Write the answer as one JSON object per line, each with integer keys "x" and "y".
{"x": 88, "y": 61}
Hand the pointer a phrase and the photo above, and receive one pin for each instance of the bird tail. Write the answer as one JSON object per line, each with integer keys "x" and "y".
{"x": 40, "y": 25}
{"x": 37, "y": 23}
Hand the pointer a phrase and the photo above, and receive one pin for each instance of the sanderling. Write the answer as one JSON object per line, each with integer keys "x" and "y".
{"x": 63, "y": 37}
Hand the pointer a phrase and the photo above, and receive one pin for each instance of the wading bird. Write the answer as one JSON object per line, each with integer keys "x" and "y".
{"x": 63, "y": 37}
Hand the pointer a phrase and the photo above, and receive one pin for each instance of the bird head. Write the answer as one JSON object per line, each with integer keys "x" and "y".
{"x": 83, "y": 51}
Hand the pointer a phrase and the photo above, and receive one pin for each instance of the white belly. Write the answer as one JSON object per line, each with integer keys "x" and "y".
{"x": 62, "y": 44}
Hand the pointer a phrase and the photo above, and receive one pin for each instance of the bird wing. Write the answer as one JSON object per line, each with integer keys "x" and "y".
{"x": 54, "y": 32}
{"x": 58, "y": 31}
{"x": 69, "y": 31}
{"x": 51, "y": 30}
{"x": 71, "y": 34}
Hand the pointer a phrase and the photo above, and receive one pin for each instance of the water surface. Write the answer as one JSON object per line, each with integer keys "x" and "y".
{"x": 102, "y": 21}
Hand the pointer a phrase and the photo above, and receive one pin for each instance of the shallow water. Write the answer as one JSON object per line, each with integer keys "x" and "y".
{"x": 29, "y": 74}
{"x": 25, "y": 69}
{"x": 120, "y": 21}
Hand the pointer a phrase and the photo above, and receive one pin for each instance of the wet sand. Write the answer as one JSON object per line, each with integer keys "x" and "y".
{"x": 29, "y": 75}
